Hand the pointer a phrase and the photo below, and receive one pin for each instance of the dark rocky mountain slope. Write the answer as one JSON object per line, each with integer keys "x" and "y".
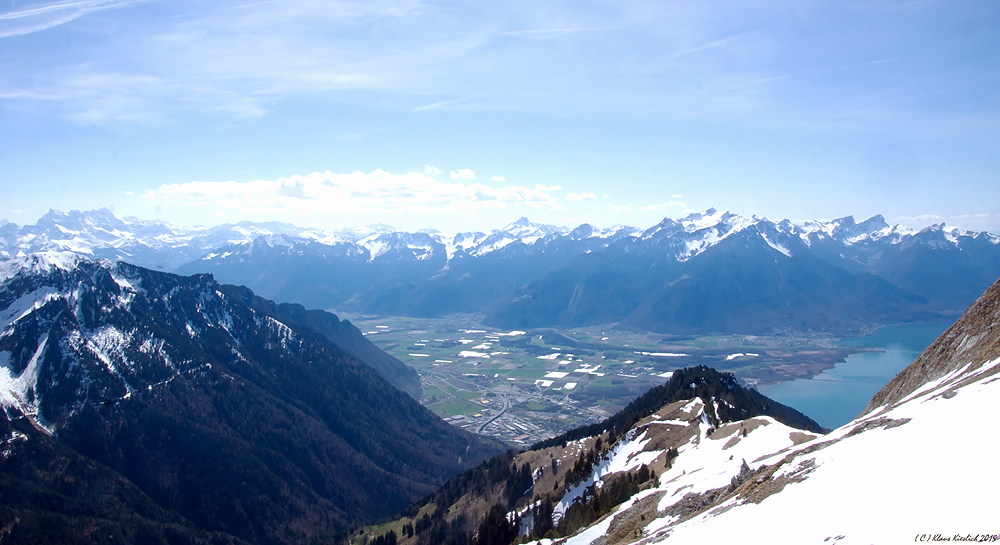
{"x": 220, "y": 413}
{"x": 50, "y": 493}
{"x": 340, "y": 332}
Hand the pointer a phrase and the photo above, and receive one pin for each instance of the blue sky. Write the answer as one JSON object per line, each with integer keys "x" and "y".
{"x": 465, "y": 115}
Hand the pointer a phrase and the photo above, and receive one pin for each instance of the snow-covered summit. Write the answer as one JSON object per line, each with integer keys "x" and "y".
{"x": 364, "y": 231}
{"x": 696, "y": 232}
{"x": 155, "y": 244}
{"x": 526, "y": 231}
{"x": 38, "y": 263}
{"x": 421, "y": 246}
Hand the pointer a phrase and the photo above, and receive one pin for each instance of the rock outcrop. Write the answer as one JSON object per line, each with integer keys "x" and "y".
{"x": 968, "y": 344}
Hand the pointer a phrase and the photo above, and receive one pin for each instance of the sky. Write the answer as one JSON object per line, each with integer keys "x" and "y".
{"x": 467, "y": 115}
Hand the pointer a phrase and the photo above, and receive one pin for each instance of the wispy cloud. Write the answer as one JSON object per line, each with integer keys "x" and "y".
{"x": 664, "y": 206}
{"x": 880, "y": 61}
{"x": 325, "y": 192}
{"x": 982, "y": 221}
{"x": 446, "y": 103}
{"x": 239, "y": 60}
{"x": 709, "y": 45}
{"x": 45, "y": 16}
{"x": 552, "y": 32}
{"x": 920, "y": 218}
{"x": 243, "y": 59}
{"x": 463, "y": 174}
{"x": 585, "y": 196}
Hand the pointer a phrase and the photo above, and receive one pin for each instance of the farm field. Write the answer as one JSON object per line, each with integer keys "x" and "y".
{"x": 525, "y": 386}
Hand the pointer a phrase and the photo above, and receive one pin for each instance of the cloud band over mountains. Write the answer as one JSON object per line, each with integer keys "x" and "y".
{"x": 325, "y": 192}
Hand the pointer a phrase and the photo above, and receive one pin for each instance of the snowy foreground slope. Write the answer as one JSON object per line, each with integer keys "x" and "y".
{"x": 918, "y": 465}
{"x": 921, "y": 468}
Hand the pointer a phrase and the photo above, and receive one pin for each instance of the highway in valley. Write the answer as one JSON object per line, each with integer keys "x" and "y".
{"x": 506, "y": 405}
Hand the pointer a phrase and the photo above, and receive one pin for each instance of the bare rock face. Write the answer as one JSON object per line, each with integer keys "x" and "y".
{"x": 743, "y": 476}
{"x": 972, "y": 341}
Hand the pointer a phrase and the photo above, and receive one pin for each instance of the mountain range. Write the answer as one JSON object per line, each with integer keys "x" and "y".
{"x": 140, "y": 404}
{"x": 709, "y": 272}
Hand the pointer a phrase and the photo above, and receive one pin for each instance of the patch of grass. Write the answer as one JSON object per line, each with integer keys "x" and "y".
{"x": 706, "y": 342}
{"x": 456, "y": 407}
{"x": 433, "y": 391}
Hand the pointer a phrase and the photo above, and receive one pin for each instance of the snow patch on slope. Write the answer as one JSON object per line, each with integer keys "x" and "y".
{"x": 25, "y": 305}
{"x": 776, "y": 246}
{"x": 626, "y": 455}
{"x": 19, "y": 391}
{"x": 38, "y": 263}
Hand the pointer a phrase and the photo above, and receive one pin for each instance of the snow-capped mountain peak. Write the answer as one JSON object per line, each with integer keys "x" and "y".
{"x": 697, "y": 232}
{"x": 100, "y": 234}
{"x": 421, "y": 246}
{"x": 155, "y": 244}
{"x": 524, "y": 230}
{"x": 38, "y": 263}
{"x": 364, "y": 231}
{"x": 323, "y": 270}
{"x": 706, "y": 218}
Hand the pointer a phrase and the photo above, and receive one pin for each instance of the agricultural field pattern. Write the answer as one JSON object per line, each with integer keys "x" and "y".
{"x": 526, "y": 386}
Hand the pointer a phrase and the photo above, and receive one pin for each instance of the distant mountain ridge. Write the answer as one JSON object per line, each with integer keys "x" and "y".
{"x": 754, "y": 279}
{"x": 839, "y": 276}
{"x": 212, "y": 410}
{"x": 99, "y": 234}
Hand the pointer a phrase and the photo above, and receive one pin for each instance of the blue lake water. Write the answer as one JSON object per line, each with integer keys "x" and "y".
{"x": 834, "y": 397}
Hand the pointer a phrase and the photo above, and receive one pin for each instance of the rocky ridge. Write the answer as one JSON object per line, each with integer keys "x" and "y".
{"x": 211, "y": 411}
{"x": 968, "y": 345}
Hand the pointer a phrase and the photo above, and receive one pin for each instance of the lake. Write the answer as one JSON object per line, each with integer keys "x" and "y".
{"x": 834, "y": 397}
